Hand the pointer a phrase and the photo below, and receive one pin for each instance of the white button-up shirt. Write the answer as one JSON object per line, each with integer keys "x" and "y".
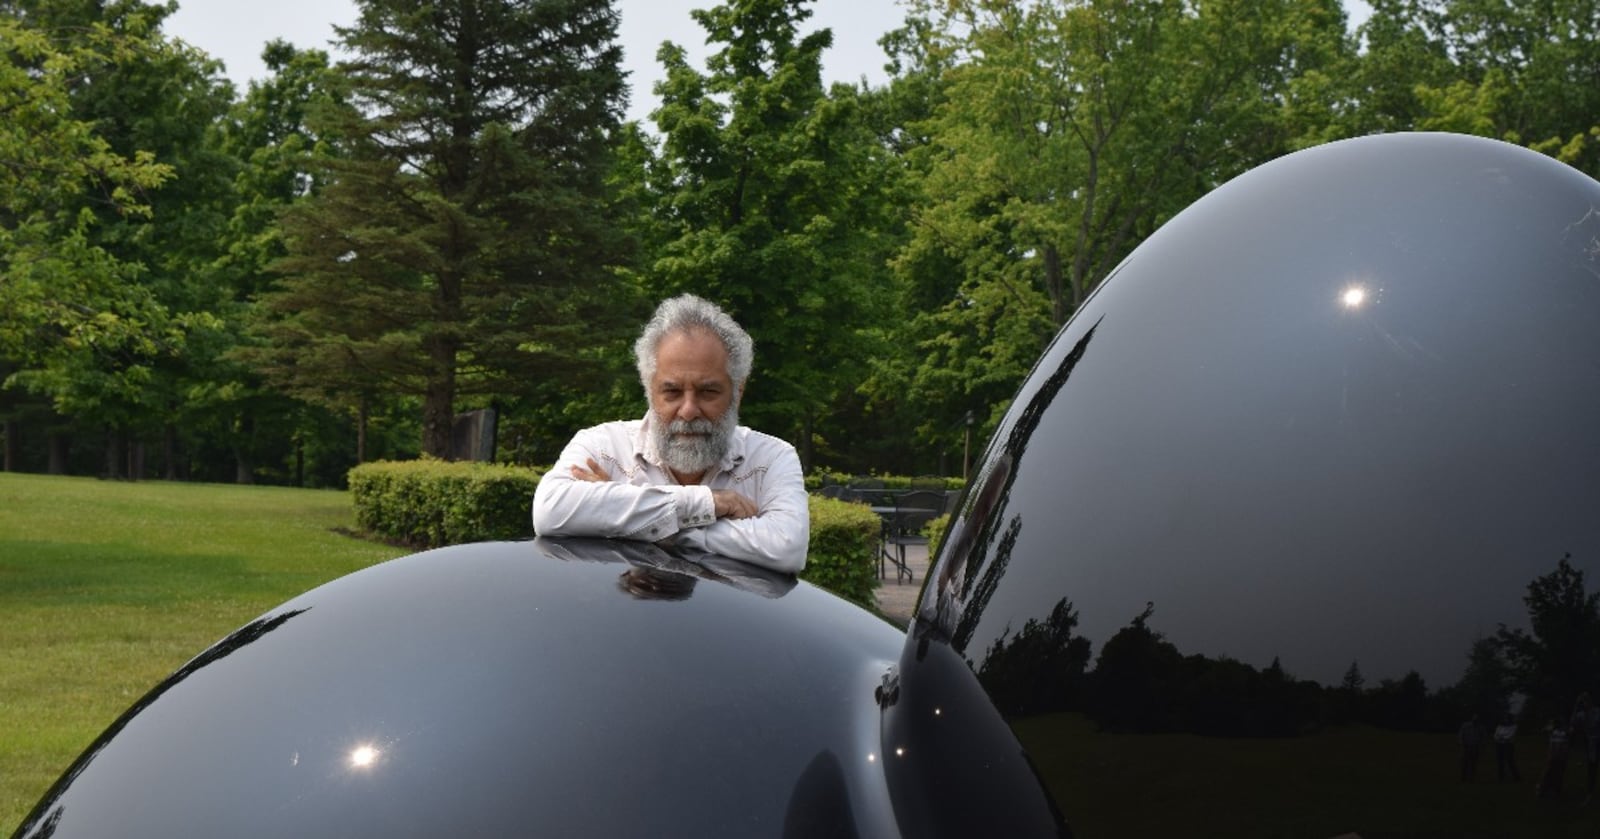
{"x": 643, "y": 501}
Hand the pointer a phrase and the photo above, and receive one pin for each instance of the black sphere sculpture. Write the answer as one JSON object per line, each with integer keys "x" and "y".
{"x": 1239, "y": 556}
{"x": 1294, "y": 513}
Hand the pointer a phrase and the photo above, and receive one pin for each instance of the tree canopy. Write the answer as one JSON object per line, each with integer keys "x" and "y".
{"x": 332, "y": 263}
{"x": 462, "y": 243}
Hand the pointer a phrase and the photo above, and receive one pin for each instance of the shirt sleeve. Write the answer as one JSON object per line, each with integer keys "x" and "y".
{"x": 566, "y": 506}
{"x": 778, "y": 536}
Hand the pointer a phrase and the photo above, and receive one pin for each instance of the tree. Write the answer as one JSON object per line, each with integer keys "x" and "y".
{"x": 228, "y": 406}
{"x": 1487, "y": 684}
{"x": 1558, "y": 659}
{"x": 1039, "y": 669}
{"x": 1067, "y": 133}
{"x": 767, "y": 197}
{"x": 75, "y": 321}
{"x": 1527, "y": 73}
{"x": 463, "y": 243}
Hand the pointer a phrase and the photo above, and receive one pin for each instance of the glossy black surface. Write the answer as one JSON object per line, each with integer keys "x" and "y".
{"x": 546, "y": 688}
{"x": 1329, "y": 422}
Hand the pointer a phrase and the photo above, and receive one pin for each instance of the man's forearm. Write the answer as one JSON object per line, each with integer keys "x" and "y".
{"x": 778, "y": 538}
{"x": 566, "y": 507}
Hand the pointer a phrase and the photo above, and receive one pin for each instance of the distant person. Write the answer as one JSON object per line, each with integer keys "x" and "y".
{"x": 1471, "y": 738}
{"x": 687, "y": 473}
{"x": 1555, "y": 766}
{"x": 1585, "y": 733}
{"x": 1505, "y": 749}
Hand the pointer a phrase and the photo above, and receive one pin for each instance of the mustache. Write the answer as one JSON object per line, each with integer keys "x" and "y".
{"x": 694, "y": 426}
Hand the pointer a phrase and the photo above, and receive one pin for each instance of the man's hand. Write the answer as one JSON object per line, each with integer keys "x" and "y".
{"x": 593, "y": 474}
{"x": 732, "y": 505}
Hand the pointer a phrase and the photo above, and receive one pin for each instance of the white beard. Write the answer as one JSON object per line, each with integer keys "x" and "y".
{"x": 691, "y": 447}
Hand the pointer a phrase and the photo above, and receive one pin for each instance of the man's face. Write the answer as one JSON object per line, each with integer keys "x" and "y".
{"x": 694, "y": 401}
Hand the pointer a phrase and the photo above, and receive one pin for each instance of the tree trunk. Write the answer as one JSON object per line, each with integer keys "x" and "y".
{"x": 13, "y": 428}
{"x": 60, "y": 446}
{"x": 805, "y": 444}
{"x": 1053, "y": 283}
{"x": 438, "y": 406}
{"x": 362, "y": 413}
{"x": 135, "y": 460}
{"x": 169, "y": 451}
{"x": 114, "y": 440}
{"x": 243, "y": 470}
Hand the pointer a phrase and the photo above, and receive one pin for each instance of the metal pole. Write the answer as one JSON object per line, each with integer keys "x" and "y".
{"x": 966, "y": 450}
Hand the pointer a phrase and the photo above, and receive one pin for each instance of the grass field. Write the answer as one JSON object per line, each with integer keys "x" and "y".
{"x": 106, "y": 587}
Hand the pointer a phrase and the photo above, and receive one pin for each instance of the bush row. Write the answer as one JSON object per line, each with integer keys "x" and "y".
{"x": 819, "y": 479}
{"x": 844, "y": 546}
{"x": 432, "y": 503}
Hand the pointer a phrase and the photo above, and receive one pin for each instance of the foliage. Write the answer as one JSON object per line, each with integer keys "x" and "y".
{"x": 431, "y": 503}
{"x": 1527, "y": 73}
{"x": 455, "y": 221}
{"x": 463, "y": 242}
{"x": 765, "y": 196}
{"x": 158, "y": 100}
{"x": 70, "y": 308}
{"x": 935, "y": 531}
{"x": 1558, "y": 658}
{"x": 1067, "y": 132}
{"x": 844, "y": 540}
{"x": 820, "y": 478}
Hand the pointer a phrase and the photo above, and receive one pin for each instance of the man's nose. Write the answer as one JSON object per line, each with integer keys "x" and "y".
{"x": 689, "y": 408}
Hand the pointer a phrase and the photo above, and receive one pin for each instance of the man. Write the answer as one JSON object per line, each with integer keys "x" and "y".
{"x": 687, "y": 473}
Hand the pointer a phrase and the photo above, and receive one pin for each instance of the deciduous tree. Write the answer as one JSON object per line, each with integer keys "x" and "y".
{"x": 769, "y": 197}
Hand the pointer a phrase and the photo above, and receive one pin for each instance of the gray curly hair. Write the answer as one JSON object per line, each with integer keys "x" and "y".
{"x": 688, "y": 313}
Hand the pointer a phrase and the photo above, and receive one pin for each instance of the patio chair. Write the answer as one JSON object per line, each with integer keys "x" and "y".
{"x": 913, "y": 511}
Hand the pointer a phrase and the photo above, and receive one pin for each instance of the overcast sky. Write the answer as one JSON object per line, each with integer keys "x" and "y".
{"x": 234, "y": 31}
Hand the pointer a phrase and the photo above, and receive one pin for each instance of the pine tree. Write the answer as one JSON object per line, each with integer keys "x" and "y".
{"x": 463, "y": 242}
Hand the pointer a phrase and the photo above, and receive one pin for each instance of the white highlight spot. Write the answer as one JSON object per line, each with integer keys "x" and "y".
{"x": 363, "y": 757}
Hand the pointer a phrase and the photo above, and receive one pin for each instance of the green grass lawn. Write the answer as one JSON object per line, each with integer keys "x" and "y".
{"x": 106, "y": 587}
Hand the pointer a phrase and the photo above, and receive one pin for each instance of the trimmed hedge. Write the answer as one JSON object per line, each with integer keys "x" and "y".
{"x": 819, "y": 479}
{"x": 935, "y": 532}
{"x": 844, "y": 544}
{"x": 432, "y": 503}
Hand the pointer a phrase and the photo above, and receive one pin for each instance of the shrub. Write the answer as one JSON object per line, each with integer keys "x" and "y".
{"x": 821, "y": 478}
{"x": 935, "y": 532}
{"x": 431, "y": 503}
{"x": 844, "y": 541}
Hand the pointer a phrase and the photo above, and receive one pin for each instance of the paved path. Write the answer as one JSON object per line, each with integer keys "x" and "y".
{"x": 897, "y": 598}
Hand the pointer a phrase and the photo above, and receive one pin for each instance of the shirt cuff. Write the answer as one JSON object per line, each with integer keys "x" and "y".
{"x": 695, "y": 507}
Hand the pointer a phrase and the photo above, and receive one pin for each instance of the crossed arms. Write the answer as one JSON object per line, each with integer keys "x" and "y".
{"x": 758, "y": 513}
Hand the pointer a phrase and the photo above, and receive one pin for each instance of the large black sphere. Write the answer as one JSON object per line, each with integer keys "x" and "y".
{"x": 573, "y": 688}
{"x": 1280, "y": 479}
